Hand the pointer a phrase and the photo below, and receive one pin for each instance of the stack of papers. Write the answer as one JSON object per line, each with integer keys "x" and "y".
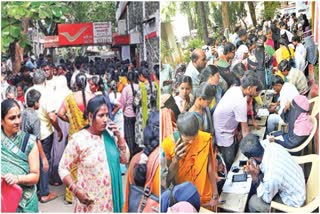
{"x": 236, "y": 187}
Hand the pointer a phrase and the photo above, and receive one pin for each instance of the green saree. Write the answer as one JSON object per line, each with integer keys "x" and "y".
{"x": 14, "y": 161}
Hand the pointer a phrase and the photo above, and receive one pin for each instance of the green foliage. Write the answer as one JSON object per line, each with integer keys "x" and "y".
{"x": 270, "y": 8}
{"x": 194, "y": 43}
{"x": 94, "y": 11}
{"x": 168, "y": 11}
{"x": 13, "y": 13}
{"x": 166, "y": 51}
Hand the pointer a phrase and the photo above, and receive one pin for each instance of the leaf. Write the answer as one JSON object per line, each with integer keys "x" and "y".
{"x": 56, "y": 12}
{"x": 7, "y": 40}
{"x": 15, "y": 31}
{"x": 24, "y": 41}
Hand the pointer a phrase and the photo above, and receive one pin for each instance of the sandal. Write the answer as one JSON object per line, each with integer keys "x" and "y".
{"x": 50, "y": 197}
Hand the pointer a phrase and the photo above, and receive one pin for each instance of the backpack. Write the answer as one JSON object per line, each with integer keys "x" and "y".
{"x": 142, "y": 199}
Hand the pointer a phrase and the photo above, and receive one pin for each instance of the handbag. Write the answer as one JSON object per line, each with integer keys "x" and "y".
{"x": 142, "y": 199}
{"x": 10, "y": 197}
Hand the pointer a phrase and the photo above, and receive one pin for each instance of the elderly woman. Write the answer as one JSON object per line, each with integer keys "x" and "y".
{"x": 97, "y": 150}
{"x": 19, "y": 156}
{"x": 190, "y": 157}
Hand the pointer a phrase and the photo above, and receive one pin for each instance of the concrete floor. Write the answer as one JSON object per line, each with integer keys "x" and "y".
{"x": 58, "y": 206}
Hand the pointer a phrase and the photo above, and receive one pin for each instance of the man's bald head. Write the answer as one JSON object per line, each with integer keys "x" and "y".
{"x": 198, "y": 58}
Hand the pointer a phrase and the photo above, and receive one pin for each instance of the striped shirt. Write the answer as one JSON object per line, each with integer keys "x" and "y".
{"x": 298, "y": 79}
{"x": 282, "y": 175}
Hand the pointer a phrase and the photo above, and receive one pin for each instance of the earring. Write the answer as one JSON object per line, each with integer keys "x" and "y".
{"x": 90, "y": 122}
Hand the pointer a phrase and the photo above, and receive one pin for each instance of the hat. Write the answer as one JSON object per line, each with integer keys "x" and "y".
{"x": 299, "y": 25}
{"x": 182, "y": 192}
{"x": 33, "y": 57}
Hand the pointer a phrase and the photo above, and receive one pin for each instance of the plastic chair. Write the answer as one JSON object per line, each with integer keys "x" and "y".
{"x": 312, "y": 188}
{"x": 314, "y": 102}
{"x": 308, "y": 140}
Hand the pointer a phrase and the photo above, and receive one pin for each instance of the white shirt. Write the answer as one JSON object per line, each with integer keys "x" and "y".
{"x": 287, "y": 93}
{"x": 300, "y": 54}
{"x": 282, "y": 175}
{"x": 192, "y": 72}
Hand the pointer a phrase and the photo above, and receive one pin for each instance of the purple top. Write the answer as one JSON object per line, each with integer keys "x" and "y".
{"x": 230, "y": 111}
{"x": 127, "y": 100}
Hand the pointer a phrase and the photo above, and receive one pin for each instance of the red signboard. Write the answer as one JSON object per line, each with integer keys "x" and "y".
{"x": 121, "y": 39}
{"x": 75, "y": 34}
{"x": 51, "y": 42}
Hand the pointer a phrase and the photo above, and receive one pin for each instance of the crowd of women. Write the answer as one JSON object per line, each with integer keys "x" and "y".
{"x": 75, "y": 124}
{"x": 205, "y": 111}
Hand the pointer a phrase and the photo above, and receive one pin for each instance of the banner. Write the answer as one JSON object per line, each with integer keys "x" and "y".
{"x": 51, "y": 42}
{"x": 84, "y": 33}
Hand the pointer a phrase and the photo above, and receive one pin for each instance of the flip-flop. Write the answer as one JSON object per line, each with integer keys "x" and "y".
{"x": 51, "y": 197}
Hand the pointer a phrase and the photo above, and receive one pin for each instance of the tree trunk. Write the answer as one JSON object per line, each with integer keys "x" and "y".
{"x": 225, "y": 14}
{"x": 18, "y": 54}
{"x": 252, "y": 12}
{"x": 245, "y": 24}
{"x": 204, "y": 22}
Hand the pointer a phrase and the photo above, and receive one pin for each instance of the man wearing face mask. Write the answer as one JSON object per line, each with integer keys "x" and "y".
{"x": 275, "y": 175}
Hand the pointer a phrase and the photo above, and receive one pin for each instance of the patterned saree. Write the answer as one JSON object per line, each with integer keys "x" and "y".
{"x": 14, "y": 161}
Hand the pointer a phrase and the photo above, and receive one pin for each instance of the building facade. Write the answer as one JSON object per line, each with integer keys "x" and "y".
{"x": 137, "y": 34}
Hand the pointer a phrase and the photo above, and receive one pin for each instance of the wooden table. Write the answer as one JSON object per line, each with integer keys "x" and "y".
{"x": 237, "y": 202}
{"x": 234, "y": 202}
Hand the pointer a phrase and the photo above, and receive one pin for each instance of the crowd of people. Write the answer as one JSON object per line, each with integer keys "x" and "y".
{"x": 78, "y": 123}
{"x": 207, "y": 103}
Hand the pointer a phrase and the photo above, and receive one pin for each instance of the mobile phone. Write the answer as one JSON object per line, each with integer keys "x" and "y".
{"x": 222, "y": 202}
{"x": 239, "y": 178}
{"x": 242, "y": 163}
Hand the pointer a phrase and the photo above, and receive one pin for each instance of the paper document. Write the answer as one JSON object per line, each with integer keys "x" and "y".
{"x": 236, "y": 187}
{"x": 263, "y": 112}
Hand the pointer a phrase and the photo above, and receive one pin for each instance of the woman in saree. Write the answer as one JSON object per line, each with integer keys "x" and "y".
{"x": 190, "y": 157}
{"x": 19, "y": 156}
{"x": 97, "y": 150}
{"x": 72, "y": 111}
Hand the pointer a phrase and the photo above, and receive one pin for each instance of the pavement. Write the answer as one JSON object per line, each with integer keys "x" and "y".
{"x": 58, "y": 206}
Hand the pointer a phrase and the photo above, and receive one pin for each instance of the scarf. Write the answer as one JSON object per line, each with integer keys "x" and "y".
{"x": 303, "y": 124}
{"x": 144, "y": 103}
{"x": 113, "y": 158}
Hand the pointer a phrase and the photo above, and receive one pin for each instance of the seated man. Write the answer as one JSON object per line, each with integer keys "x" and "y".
{"x": 294, "y": 76}
{"x": 275, "y": 175}
{"x": 287, "y": 92}
{"x": 232, "y": 110}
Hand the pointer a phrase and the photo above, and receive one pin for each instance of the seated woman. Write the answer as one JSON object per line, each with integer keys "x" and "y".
{"x": 203, "y": 98}
{"x": 299, "y": 123}
{"x": 19, "y": 156}
{"x": 190, "y": 157}
{"x": 97, "y": 150}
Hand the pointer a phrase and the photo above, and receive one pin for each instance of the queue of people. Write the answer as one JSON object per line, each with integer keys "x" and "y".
{"x": 77, "y": 125}
{"x": 216, "y": 94}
